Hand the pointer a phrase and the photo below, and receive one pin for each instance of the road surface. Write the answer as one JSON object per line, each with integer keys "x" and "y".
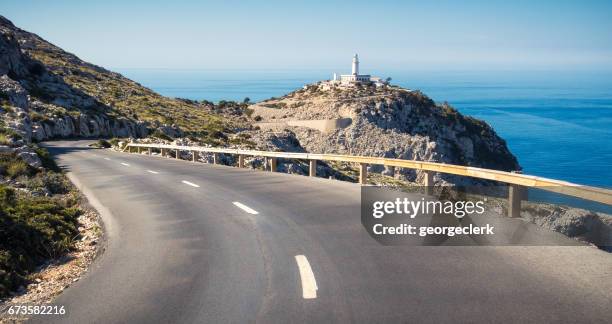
{"x": 198, "y": 243}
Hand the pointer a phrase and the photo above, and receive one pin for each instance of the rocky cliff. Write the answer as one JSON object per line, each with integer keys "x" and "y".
{"x": 38, "y": 104}
{"x": 46, "y": 92}
{"x": 383, "y": 121}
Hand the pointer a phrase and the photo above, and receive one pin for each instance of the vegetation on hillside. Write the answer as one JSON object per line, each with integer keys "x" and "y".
{"x": 38, "y": 217}
{"x": 126, "y": 97}
{"x": 117, "y": 96}
{"x": 59, "y": 84}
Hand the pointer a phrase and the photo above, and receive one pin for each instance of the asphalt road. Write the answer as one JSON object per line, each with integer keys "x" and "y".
{"x": 180, "y": 251}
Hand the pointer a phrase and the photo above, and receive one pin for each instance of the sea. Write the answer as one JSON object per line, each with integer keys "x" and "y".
{"x": 558, "y": 124}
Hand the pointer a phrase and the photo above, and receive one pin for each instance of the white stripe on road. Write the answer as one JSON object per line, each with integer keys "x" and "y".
{"x": 125, "y": 164}
{"x": 309, "y": 284}
{"x": 151, "y": 171}
{"x": 107, "y": 159}
{"x": 191, "y": 184}
{"x": 245, "y": 208}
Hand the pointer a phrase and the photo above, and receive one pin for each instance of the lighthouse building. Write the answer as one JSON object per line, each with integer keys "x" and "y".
{"x": 355, "y": 77}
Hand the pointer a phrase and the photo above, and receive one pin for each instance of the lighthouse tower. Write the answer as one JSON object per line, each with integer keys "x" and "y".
{"x": 355, "y": 70}
{"x": 355, "y": 77}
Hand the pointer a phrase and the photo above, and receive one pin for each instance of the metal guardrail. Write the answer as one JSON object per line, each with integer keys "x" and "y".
{"x": 516, "y": 180}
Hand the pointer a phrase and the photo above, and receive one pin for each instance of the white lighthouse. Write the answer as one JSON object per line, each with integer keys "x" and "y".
{"x": 355, "y": 77}
{"x": 355, "y": 69}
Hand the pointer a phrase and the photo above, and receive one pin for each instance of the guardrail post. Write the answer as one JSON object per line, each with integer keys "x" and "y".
{"x": 363, "y": 173}
{"x": 150, "y": 151}
{"x": 215, "y": 158}
{"x": 193, "y": 156}
{"x": 515, "y": 195}
{"x": 272, "y": 164}
{"x": 139, "y": 148}
{"x": 241, "y": 161}
{"x": 313, "y": 168}
{"x": 429, "y": 182}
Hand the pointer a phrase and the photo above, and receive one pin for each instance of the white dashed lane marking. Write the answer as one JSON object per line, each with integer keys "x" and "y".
{"x": 151, "y": 171}
{"x": 245, "y": 208}
{"x": 122, "y": 163}
{"x": 107, "y": 159}
{"x": 190, "y": 184}
{"x": 309, "y": 284}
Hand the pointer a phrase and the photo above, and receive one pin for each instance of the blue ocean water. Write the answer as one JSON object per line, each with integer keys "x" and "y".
{"x": 558, "y": 124}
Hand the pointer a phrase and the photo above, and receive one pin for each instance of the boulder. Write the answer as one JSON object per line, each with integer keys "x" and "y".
{"x": 31, "y": 159}
{"x": 29, "y": 156}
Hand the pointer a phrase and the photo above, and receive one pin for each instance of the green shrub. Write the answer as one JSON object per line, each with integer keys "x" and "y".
{"x": 32, "y": 230}
{"x": 7, "y": 133}
{"x": 4, "y": 139}
{"x": 38, "y": 117}
{"x": 101, "y": 144}
{"x": 243, "y": 141}
{"x": 17, "y": 168}
{"x": 114, "y": 141}
{"x": 7, "y": 108}
{"x": 46, "y": 159}
{"x": 168, "y": 120}
{"x": 161, "y": 135}
{"x": 218, "y": 134}
{"x": 55, "y": 183}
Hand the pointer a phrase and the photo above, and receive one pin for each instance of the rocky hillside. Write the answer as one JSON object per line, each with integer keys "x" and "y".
{"x": 385, "y": 121}
{"x": 46, "y": 92}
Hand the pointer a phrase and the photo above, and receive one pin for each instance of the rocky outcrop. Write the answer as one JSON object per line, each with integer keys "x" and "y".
{"x": 283, "y": 141}
{"x": 60, "y": 79}
{"x": 24, "y": 152}
{"x": 584, "y": 225}
{"x": 17, "y": 106}
{"x": 35, "y": 78}
{"x": 14, "y": 101}
{"x": 169, "y": 130}
{"x": 87, "y": 126}
{"x": 387, "y": 122}
{"x": 38, "y": 105}
{"x": 11, "y": 58}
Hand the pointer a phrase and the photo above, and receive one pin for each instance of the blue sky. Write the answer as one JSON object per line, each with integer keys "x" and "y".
{"x": 400, "y": 35}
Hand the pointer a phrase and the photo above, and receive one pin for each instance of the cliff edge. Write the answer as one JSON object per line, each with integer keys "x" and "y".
{"x": 384, "y": 121}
